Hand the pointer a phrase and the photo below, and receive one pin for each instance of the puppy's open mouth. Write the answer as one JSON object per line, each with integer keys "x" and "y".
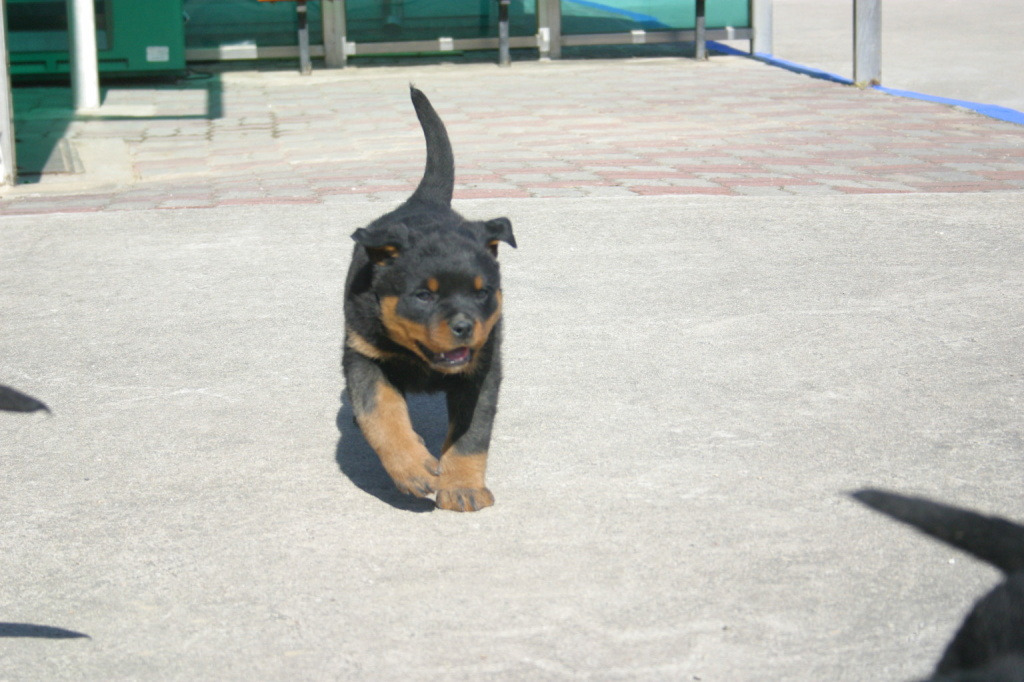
{"x": 449, "y": 359}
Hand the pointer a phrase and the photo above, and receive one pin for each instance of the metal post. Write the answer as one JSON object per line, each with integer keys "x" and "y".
{"x": 701, "y": 48}
{"x": 543, "y": 31}
{"x": 554, "y": 28}
{"x": 8, "y": 165}
{"x": 305, "y": 64}
{"x": 85, "y": 70}
{"x": 761, "y": 18}
{"x": 504, "y": 56}
{"x": 334, "y": 33}
{"x": 867, "y": 43}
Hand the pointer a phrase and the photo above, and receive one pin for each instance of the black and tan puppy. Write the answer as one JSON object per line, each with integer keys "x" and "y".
{"x": 990, "y": 643}
{"x": 423, "y": 314}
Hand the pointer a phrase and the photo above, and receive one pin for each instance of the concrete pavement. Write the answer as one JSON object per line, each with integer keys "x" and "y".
{"x": 692, "y": 385}
{"x": 693, "y": 382}
{"x": 944, "y": 48}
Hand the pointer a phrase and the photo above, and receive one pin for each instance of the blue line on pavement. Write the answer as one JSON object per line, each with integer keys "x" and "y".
{"x": 990, "y": 110}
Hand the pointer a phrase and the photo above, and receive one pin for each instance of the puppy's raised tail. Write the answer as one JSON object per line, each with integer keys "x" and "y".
{"x": 438, "y": 181}
{"x": 989, "y": 538}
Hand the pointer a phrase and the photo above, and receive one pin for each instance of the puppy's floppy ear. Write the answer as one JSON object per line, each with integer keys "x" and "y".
{"x": 383, "y": 242}
{"x": 497, "y": 230}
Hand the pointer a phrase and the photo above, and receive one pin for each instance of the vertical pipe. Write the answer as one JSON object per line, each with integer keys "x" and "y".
{"x": 504, "y": 55}
{"x": 700, "y": 38}
{"x": 761, "y": 20}
{"x": 85, "y": 72}
{"x": 334, "y": 33}
{"x": 867, "y": 43}
{"x": 8, "y": 161}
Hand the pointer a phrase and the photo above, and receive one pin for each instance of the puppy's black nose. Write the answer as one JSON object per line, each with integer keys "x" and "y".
{"x": 462, "y": 327}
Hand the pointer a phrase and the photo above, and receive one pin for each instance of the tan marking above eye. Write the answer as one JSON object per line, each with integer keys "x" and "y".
{"x": 482, "y": 329}
{"x": 433, "y": 285}
{"x": 381, "y": 255}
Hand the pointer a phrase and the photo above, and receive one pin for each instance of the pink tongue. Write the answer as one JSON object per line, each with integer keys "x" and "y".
{"x": 457, "y": 355}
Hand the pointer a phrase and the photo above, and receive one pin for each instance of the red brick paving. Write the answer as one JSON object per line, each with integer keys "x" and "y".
{"x": 616, "y": 128}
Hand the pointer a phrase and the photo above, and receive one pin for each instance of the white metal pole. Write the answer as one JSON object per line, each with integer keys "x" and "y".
{"x": 867, "y": 42}
{"x": 8, "y": 165}
{"x": 761, "y": 11}
{"x": 333, "y": 14}
{"x": 85, "y": 71}
{"x": 554, "y": 28}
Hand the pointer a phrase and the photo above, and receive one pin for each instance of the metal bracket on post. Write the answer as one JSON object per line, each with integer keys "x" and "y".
{"x": 867, "y": 43}
{"x": 544, "y": 42}
{"x": 700, "y": 37}
{"x": 504, "y": 55}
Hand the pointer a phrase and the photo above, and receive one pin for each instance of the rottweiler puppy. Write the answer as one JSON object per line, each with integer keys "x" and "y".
{"x": 990, "y": 643}
{"x": 423, "y": 315}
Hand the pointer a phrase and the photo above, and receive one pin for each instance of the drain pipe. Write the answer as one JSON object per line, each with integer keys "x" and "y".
{"x": 85, "y": 73}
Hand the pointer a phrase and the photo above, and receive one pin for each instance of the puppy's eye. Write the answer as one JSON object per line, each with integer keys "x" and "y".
{"x": 484, "y": 294}
{"x": 425, "y": 296}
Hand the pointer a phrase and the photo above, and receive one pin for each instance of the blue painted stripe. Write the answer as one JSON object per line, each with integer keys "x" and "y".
{"x": 647, "y": 20}
{"x": 991, "y": 110}
{"x": 781, "y": 63}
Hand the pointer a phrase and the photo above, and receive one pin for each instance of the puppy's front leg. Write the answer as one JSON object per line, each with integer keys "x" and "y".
{"x": 383, "y": 416}
{"x": 471, "y": 410}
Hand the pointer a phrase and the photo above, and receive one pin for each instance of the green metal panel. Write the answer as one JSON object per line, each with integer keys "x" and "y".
{"x": 217, "y": 23}
{"x": 405, "y": 20}
{"x": 221, "y": 23}
{"x": 132, "y": 36}
{"x": 580, "y": 17}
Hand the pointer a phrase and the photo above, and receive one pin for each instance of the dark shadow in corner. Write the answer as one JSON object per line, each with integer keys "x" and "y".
{"x": 359, "y": 462}
{"x": 43, "y": 110}
{"x": 38, "y": 631}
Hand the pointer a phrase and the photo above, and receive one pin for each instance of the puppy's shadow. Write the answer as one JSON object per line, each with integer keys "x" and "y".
{"x": 360, "y": 463}
{"x": 38, "y": 631}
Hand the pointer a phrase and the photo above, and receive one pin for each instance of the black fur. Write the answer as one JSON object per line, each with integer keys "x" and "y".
{"x": 422, "y": 289}
{"x": 990, "y": 643}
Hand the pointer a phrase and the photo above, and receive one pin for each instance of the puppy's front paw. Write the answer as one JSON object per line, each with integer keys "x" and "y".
{"x": 464, "y": 499}
{"x": 416, "y": 476}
